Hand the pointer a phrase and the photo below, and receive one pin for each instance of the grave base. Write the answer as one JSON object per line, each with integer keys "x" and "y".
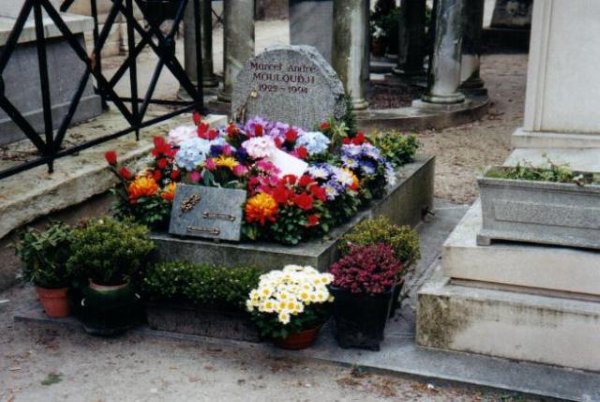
{"x": 404, "y": 204}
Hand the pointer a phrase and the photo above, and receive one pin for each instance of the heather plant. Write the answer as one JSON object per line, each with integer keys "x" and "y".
{"x": 399, "y": 149}
{"x": 370, "y": 269}
{"x": 549, "y": 172}
{"x": 402, "y": 239}
{"x": 109, "y": 252}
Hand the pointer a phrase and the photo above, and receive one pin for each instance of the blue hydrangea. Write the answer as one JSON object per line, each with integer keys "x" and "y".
{"x": 193, "y": 152}
{"x": 315, "y": 142}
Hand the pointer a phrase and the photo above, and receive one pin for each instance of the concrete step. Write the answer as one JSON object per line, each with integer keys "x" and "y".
{"x": 543, "y": 268}
{"x": 507, "y": 324}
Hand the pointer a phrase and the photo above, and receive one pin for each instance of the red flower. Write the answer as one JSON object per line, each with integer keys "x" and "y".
{"x": 162, "y": 148}
{"x": 197, "y": 118}
{"x": 359, "y": 139}
{"x": 111, "y": 157}
{"x": 319, "y": 193}
{"x": 313, "y": 220}
{"x": 303, "y": 201}
{"x": 175, "y": 175}
{"x": 325, "y": 126}
{"x": 232, "y": 130}
{"x": 289, "y": 179}
{"x": 278, "y": 142}
{"x": 259, "y": 130}
{"x": 125, "y": 173}
{"x": 346, "y": 141}
{"x": 305, "y": 181}
{"x": 162, "y": 163}
{"x": 302, "y": 153}
{"x": 281, "y": 194}
{"x": 204, "y": 131}
{"x": 157, "y": 175}
{"x": 291, "y": 135}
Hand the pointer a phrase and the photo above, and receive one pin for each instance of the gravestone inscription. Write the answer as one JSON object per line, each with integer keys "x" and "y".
{"x": 292, "y": 84}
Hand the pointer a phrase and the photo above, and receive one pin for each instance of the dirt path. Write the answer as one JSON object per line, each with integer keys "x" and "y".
{"x": 463, "y": 151}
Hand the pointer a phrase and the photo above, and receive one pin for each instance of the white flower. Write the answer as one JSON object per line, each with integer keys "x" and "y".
{"x": 259, "y": 147}
{"x": 181, "y": 134}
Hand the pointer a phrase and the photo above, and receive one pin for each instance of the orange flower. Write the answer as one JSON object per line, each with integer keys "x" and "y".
{"x": 168, "y": 193}
{"x": 261, "y": 208}
{"x": 142, "y": 186}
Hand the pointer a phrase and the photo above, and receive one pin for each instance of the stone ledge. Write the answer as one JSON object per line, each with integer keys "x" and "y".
{"x": 538, "y": 139}
{"x": 534, "y": 266}
{"x": 35, "y": 193}
{"x": 512, "y": 325}
{"x": 75, "y": 23}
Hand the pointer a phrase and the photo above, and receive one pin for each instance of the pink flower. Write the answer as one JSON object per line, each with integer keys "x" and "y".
{"x": 210, "y": 164}
{"x": 195, "y": 176}
{"x": 240, "y": 170}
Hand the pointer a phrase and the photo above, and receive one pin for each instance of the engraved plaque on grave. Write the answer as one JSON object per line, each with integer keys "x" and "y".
{"x": 292, "y": 84}
{"x": 207, "y": 212}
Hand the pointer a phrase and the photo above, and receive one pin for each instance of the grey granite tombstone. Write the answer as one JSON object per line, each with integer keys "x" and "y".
{"x": 514, "y": 14}
{"x": 292, "y": 84}
{"x": 208, "y": 212}
{"x": 311, "y": 23}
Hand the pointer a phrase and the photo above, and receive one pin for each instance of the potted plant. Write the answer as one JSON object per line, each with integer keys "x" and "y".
{"x": 200, "y": 299}
{"x": 548, "y": 204}
{"x": 289, "y": 306}
{"x": 404, "y": 240}
{"x": 362, "y": 289}
{"x": 44, "y": 255}
{"x": 108, "y": 254}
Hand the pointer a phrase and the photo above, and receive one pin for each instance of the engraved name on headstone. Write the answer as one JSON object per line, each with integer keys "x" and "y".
{"x": 292, "y": 84}
{"x": 208, "y": 212}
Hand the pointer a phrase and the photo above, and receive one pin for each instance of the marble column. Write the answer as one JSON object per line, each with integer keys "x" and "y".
{"x": 209, "y": 80}
{"x": 471, "y": 49}
{"x": 348, "y": 56}
{"x": 238, "y": 42}
{"x": 445, "y": 60}
{"x": 412, "y": 38}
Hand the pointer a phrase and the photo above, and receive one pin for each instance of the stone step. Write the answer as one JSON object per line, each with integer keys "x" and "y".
{"x": 508, "y": 324}
{"x": 560, "y": 269}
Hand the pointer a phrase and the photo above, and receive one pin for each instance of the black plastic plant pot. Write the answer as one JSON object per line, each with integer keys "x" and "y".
{"x": 360, "y": 319}
{"x": 158, "y": 11}
{"x": 396, "y": 291}
{"x": 109, "y": 310}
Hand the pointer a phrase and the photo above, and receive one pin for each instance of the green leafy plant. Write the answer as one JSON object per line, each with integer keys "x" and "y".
{"x": 549, "y": 172}
{"x": 399, "y": 149}
{"x": 200, "y": 283}
{"x": 109, "y": 252}
{"x": 44, "y": 255}
{"x": 403, "y": 239}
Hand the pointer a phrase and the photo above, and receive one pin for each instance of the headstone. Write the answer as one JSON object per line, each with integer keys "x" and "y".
{"x": 512, "y": 14}
{"x": 311, "y": 23}
{"x": 292, "y": 84}
{"x": 207, "y": 212}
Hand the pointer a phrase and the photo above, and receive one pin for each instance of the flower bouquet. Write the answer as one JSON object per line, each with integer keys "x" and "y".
{"x": 290, "y": 305}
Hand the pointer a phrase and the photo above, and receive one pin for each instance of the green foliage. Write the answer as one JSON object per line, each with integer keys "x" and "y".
{"x": 52, "y": 378}
{"x": 349, "y": 119}
{"x": 109, "y": 252}
{"x": 270, "y": 327}
{"x": 399, "y": 149}
{"x": 200, "y": 284}
{"x": 45, "y": 254}
{"x": 403, "y": 239}
{"x": 153, "y": 212}
{"x": 551, "y": 172}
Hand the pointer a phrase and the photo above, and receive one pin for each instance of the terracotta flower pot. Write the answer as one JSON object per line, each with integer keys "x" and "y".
{"x": 300, "y": 340}
{"x": 54, "y": 301}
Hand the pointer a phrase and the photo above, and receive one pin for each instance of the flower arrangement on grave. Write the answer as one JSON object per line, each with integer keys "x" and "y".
{"x": 147, "y": 196}
{"x": 290, "y": 301}
{"x": 299, "y": 183}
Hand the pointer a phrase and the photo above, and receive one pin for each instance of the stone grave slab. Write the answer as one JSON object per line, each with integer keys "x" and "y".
{"x": 293, "y": 84}
{"x": 405, "y": 203}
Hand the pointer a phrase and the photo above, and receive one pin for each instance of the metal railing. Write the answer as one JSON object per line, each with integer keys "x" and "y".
{"x": 49, "y": 142}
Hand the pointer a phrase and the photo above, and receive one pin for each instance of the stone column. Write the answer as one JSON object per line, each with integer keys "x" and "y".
{"x": 348, "y": 58}
{"x": 471, "y": 49}
{"x": 209, "y": 80}
{"x": 412, "y": 38}
{"x": 444, "y": 65}
{"x": 238, "y": 35}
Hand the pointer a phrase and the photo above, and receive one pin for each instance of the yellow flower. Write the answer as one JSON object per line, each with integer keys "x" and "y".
{"x": 261, "y": 208}
{"x": 226, "y": 161}
{"x": 168, "y": 193}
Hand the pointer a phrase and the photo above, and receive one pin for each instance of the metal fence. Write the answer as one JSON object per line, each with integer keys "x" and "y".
{"x": 133, "y": 108}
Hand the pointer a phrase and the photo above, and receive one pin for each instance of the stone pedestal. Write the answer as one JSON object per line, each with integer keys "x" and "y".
{"x": 561, "y": 107}
{"x": 471, "y": 48}
{"x": 412, "y": 33}
{"x": 22, "y": 80}
{"x": 239, "y": 42}
{"x": 444, "y": 66}
{"x": 209, "y": 80}
{"x": 348, "y": 58}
